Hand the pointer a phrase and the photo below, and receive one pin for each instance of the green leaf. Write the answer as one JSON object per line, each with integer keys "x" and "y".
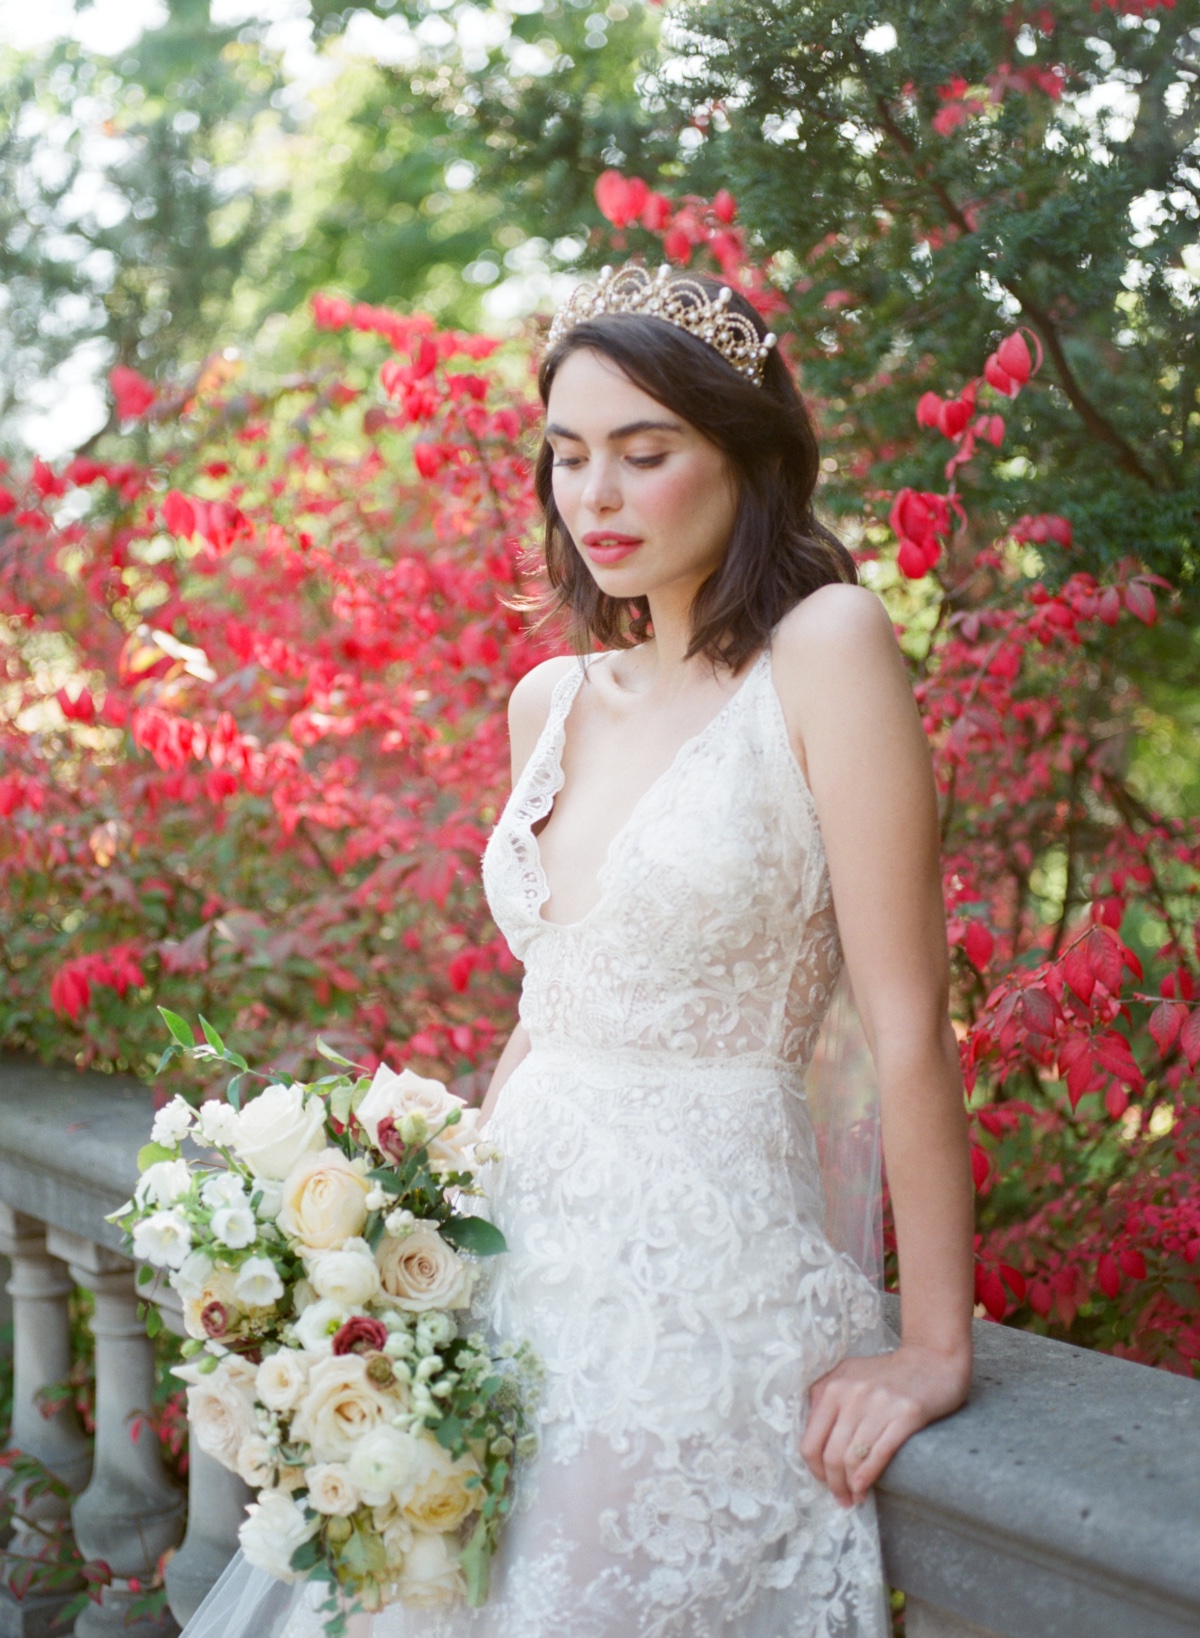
{"x": 334, "y": 1057}
{"x": 154, "y": 1322}
{"x": 236, "y": 1058}
{"x": 476, "y": 1562}
{"x": 145, "y": 1275}
{"x": 179, "y": 1027}
{"x": 449, "y": 1432}
{"x": 211, "y": 1036}
{"x": 340, "y": 1097}
{"x": 169, "y": 1054}
{"x": 233, "y": 1092}
{"x": 151, "y": 1153}
{"x": 306, "y": 1555}
{"x": 389, "y": 1181}
{"x": 474, "y": 1234}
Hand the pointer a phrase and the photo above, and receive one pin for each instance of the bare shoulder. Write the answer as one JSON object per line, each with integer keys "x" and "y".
{"x": 529, "y": 706}
{"x": 839, "y": 638}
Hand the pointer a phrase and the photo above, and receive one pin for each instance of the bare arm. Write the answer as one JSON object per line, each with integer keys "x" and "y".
{"x": 855, "y": 726}
{"x": 528, "y": 708}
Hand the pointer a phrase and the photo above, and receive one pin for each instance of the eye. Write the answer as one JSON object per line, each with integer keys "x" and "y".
{"x": 647, "y": 460}
{"x": 567, "y": 460}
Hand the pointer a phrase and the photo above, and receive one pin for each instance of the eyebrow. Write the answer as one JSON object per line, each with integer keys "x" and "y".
{"x": 627, "y": 431}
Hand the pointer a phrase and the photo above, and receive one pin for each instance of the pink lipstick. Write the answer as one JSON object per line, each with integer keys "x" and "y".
{"x": 604, "y": 546}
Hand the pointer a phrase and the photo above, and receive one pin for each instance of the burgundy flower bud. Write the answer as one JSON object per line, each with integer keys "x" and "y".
{"x": 379, "y": 1371}
{"x": 214, "y": 1318}
{"x": 390, "y": 1141}
{"x": 360, "y": 1335}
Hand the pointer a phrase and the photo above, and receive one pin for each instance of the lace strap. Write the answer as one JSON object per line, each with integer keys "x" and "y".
{"x": 540, "y": 782}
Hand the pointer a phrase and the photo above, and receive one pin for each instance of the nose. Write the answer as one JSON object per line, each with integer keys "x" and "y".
{"x": 602, "y": 490}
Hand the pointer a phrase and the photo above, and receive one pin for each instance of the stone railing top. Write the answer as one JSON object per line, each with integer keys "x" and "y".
{"x": 68, "y": 1143}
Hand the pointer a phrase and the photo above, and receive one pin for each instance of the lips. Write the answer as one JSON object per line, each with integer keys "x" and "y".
{"x": 605, "y": 547}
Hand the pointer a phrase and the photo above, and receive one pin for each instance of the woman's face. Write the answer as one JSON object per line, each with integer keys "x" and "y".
{"x": 648, "y": 500}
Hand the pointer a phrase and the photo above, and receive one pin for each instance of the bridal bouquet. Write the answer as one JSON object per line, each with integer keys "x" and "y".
{"x": 323, "y": 1262}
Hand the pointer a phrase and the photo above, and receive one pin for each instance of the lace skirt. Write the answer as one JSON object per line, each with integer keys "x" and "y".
{"x": 668, "y": 1264}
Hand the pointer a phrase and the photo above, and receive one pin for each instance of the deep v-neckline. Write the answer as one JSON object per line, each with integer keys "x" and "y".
{"x": 554, "y": 755}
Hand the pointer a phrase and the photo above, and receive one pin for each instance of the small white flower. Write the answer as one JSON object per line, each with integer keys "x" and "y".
{"x": 435, "y": 1327}
{"x": 172, "y": 1124}
{"x": 192, "y": 1275}
{"x": 268, "y": 1197}
{"x": 485, "y": 1152}
{"x": 223, "y": 1189}
{"x": 165, "y": 1183}
{"x": 317, "y": 1324}
{"x": 164, "y": 1239}
{"x": 218, "y": 1122}
{"x": 398, "y": 1223}
{"x": 413, "y": 1127}
{"x": 258, "y": 1283}
{"x": 376, "y": 1200}
{"x": 235, "y": 1227}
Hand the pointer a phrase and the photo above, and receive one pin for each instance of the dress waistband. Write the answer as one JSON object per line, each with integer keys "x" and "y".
{"x": 577, "y": 1055}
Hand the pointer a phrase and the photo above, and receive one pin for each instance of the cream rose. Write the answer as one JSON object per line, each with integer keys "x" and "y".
{"x": 277, "y": 1129}
{"x": 331, "y": 1489}
{"x": 400, "y": 1095}
{"x": 207, "y": 1284}
{"x": 273, "y": 1528}
{"x": 341, "y": 1405}
{"x": 439, "y": 1497}
{"x": 221, "y": 1408}
{"x": 349, "y": 1276}
{"x": 282, "y": 1379}
{"x": 256, "y": 1462}
{"x": 432, "y": 1577}
{"x": 422, "y": 1271}
{"x": 324, "y": 1201}
{"x": 385, "y": 1465}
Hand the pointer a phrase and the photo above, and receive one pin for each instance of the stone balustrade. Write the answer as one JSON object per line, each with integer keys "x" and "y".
{"x": 1062, "y": 1502}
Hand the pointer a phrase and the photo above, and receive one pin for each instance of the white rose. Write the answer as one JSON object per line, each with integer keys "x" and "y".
{"x": 221, "y": 1408}
{"x": 324, "y": 1201}
{"x": 385, "y": 1465}
{"x": 222, "y": 1189}
{"x": 277, "y": 1128}
{"x": 217, "y": 1285}
{"x": 164, "y": 1239}
{"x": 349, "y": 1276}
{"x": 172, "y": 1124}
{"x": 164, "y": 1183}
{"x": 218, "y": 1122}
{"x": 331, "y": 1490}
{"x": 317, "y": 1325}
{"x": 400, "y": 1095}
{"x": 422, "y": 1271}
{"x": 432, "y": 1576}
{"x": 273, "y": 1528}
{"x": 234, "y": 1226}
{"x": 256, "y": 1462}
{"x": 282, "y": 1379}
{"x": 439, "y": 1497}
{"x": 258, "y": 1284}
{"x": 341, "y": 1406}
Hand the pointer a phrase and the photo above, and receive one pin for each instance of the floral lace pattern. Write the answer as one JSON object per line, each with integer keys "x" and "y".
{"x": 659, "y": 1190}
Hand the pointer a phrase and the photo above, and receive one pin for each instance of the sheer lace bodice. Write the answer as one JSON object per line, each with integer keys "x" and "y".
{"x": 659, "y": 1190}
{"x": 714, "y": 934}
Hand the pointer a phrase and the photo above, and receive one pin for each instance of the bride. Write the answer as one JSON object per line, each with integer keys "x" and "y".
{"x": 708, "y": 816}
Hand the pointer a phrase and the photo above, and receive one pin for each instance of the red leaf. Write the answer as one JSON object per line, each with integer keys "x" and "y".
{"x": 911, "y": 560}
{"x": 1139, "y": 600}
{"x": 132, "y": 393}
{"x": 979, "y": 944}
{"x": 1012, "y": 355}
{"x": 1110, "y": 605}
{"x": 990, "y": 1292}
{"x": 1109, "y": 1276}
{"x": 1165, "y": 1023}
{"x": 1076, "y": 1063}
{"x": 929, "y": 407}
{"x": 1189, "y": 1038}
{"x": 980, "y": 1166}
{"x": 1040, "y": 1010}
{"x": 1078, "y": 973}
{"x": 999, "y": 378}
{"x": 1133, "y": 1264}
{"x": 724, "y": 206}
{"x": 1014, "y": 1280}
{"x": 1103, "y": 953}
{"x": 953, "y": 417}
{"x": 1113, "y": 1051}
{"x": 179, "y": 515}
{"x": 1041, "y": 1298}
{"x": 656, "y": 212}
{"x": 1116, "y": 1100}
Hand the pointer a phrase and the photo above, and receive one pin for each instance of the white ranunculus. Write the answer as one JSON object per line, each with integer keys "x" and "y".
{"x": 384, "y": 1465}
{"x": 349, "y": 1276}
{"x": 277, "y": 1129}
{"x": 164, "y": 1239}
{"x": 258, "y": 1284}
{"x": 223, "y": 1189}
{"x": 432, "y": 1576}
{"x": 192, "y": 1275}
{"x": 273, "y": 1528}
{"x": 331, "y": 1489}
{"x": 218, "y": 1122}
{"x": 235, "y": 1226}
{"x": 256, "y": 1462}
{"x": 282, "y": 1379}
{"x": 172, "y": 1124}
{"x": 421, "y": 1271}
{"x": 324, "y": 1201}
{"x": 221, "y": 1408}
{"x": 164, "y": 1183}
{"x": 341, "y": 1407}
{"x": 317, "y": 1325}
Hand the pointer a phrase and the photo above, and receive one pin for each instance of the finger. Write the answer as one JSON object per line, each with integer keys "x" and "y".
{"x": 835, "y": 1455}
{"x": 885, "y": 1445}
{"x": 823, "y": 1410}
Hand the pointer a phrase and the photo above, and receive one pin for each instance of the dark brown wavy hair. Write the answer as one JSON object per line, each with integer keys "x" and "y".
{"x": 778, "y": 552}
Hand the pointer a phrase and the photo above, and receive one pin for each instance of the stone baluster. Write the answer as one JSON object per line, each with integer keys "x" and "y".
{"x": 131, "y": 1512}
{"x": 216, "y": 1507}
{"x": 39, "y": 1287}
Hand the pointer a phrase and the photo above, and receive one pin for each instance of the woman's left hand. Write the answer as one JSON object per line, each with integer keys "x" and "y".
{"x": 862, "y": 1411}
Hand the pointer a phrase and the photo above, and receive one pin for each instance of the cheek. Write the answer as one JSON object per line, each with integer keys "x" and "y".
{"x": 694, "y": 503}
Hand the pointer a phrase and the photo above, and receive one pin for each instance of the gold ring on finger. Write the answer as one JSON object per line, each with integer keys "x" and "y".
{"x": 860, "y": 1452}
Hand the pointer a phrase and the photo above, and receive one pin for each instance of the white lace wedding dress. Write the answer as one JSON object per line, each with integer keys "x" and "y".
{"x": 660, "y": 1193}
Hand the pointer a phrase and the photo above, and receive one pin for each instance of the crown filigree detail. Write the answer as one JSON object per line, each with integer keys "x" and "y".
{"x": 681, "y": 301}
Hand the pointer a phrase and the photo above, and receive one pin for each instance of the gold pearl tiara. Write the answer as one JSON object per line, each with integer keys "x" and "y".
{"x": 681, "y": 301}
